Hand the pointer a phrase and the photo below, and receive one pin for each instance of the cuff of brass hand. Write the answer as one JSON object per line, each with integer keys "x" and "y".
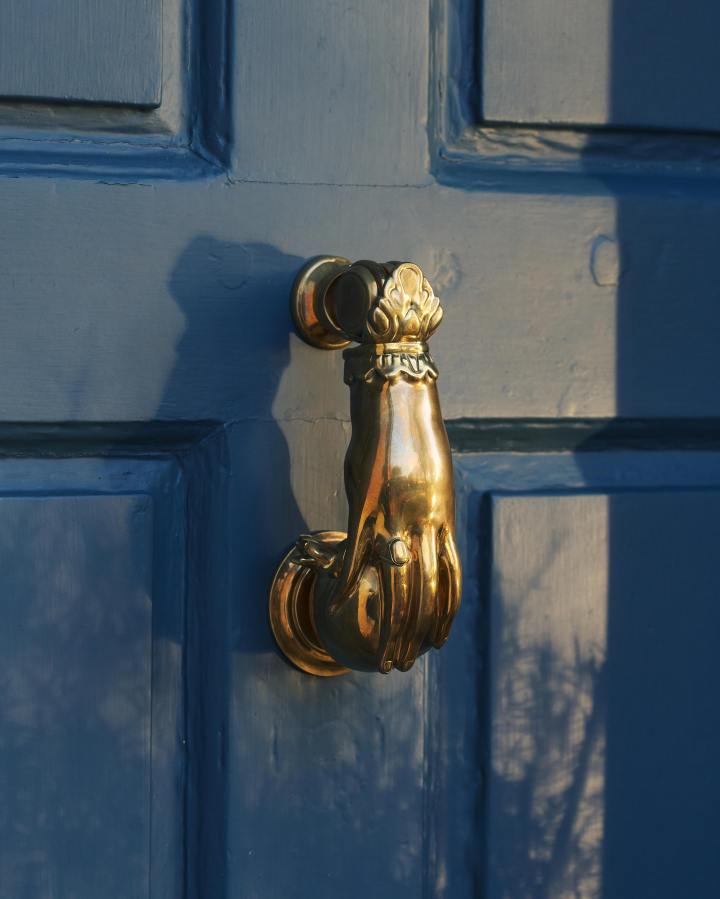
{"x": 380, "y": 595}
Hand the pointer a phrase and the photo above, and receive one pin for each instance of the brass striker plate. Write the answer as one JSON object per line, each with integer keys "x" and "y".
{"x": 291, "y": 617}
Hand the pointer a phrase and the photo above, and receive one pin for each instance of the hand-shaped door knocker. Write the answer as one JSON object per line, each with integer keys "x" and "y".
{"x": 385, "y": 592}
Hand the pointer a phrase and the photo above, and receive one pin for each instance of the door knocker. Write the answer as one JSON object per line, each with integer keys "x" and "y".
{"x": 387, "y": 591}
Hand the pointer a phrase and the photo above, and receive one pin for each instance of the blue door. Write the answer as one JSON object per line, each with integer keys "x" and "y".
{"x": 166, "y": 168}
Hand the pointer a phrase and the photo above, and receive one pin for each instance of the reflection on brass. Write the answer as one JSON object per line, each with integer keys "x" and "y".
{"x": 379, "y": 596}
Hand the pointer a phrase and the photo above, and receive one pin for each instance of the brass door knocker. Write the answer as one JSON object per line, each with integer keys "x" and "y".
{"x": 387, "y": 591}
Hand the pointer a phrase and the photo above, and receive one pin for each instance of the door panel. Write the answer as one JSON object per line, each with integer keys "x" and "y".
{"x": 564, "y": 62}
{"x": 583, "y": 680}
{"x": 91, "y": 672}
{"x": 114, "y": 91}
{"x": 82, "y": 51}
{"x": 579, "y": 566}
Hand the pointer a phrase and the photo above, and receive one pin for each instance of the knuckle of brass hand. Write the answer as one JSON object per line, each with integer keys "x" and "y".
{"x": 378, "y": 596}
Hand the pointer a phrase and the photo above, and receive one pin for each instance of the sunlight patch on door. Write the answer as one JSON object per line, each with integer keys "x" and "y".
{"x": 548, "y": 627}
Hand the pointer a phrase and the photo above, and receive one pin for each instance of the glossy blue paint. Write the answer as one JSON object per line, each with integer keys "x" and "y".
{"x": 150, "y": 371}
{"x": 475, "y": 152}
{"x": 548, "y": 63}
{"x": 561, "y": 765}
{"x": 82, "y": 51}
{"x": 60, "y": 727}
{"x": 92, "y": 719}
{"x": 153, "y": 105}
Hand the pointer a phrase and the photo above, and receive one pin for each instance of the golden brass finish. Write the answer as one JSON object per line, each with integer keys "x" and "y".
{"x": 310, "y": 284}
{"x": 380, "y": 596}
{"x": 291, "y": 616}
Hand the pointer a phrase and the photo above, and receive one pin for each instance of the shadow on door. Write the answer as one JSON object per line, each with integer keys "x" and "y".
{"x": 661, "y": 792}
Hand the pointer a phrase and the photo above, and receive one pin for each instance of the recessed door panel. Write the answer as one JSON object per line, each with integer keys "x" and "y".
{"x": 601, "y": 619}
{"x": 86, "y": 51}
{"x": 629, "y": 64}
{"x": 91, "y": 720}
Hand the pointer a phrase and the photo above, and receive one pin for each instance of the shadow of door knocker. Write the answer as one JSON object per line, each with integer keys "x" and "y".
{"x": 380, "y": 595}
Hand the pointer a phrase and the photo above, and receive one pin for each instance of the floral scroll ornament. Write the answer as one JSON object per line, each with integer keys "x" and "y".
{"x": 407, "y": 309}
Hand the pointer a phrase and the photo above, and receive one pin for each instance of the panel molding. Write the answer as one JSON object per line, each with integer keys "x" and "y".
{"x": 187, "y": 136}
{"x": 93, "y": 535}
{"x": 598, "y": 64}
{"x": 475, "y": 155}
{"x": 531, "y": 435}
{"x": 104, "y": 439}
{"x": 83, "y": 51}
{"x": 458, "y": 747}
{"x": 179, "y": 471}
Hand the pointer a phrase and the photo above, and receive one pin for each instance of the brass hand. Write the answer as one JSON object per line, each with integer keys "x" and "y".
{"x": 389, "y": 590}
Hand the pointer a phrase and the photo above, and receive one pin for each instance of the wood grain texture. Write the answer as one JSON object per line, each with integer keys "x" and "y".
{"x": 82, "y": 50}
{"x": 329, "y": 92}
{"x": 628, "y": 63}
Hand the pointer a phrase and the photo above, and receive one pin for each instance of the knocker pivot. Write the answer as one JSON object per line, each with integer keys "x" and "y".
{"x": 385, "y": 592}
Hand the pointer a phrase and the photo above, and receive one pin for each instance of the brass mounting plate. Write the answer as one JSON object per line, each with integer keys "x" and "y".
{"x": 307, "y": 293}
{"x": 291, "y": 617}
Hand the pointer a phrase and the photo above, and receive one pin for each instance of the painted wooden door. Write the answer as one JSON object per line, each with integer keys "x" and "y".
{"x": 165, "y": 169}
